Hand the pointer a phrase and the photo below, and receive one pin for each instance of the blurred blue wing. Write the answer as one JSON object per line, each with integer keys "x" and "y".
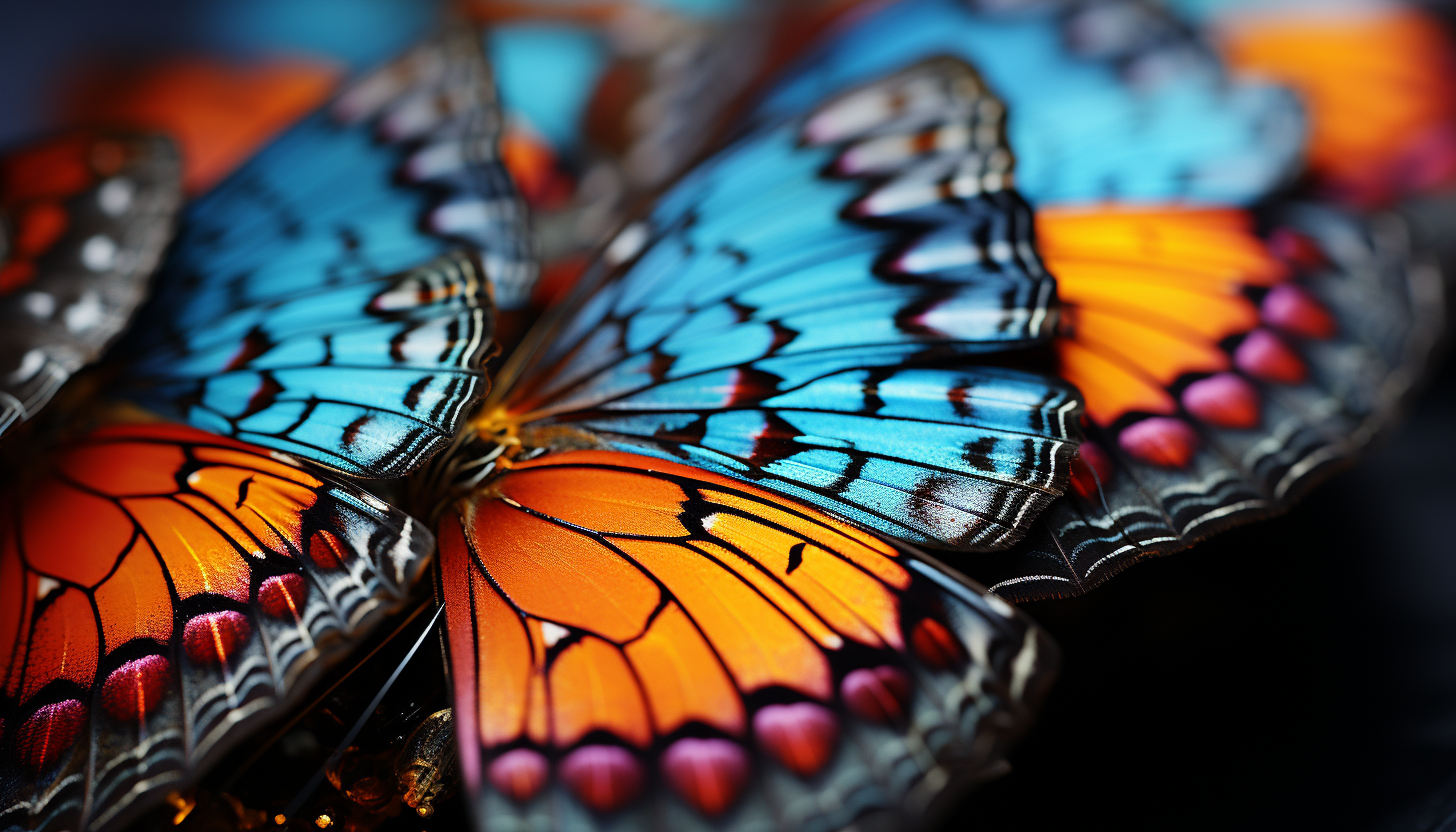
{"x": 332, "y": 299}
{"x": 763, "y": 323}
{"x": 1146, "y": 118}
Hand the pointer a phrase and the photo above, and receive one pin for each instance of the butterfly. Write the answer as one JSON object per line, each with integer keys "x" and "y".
{"x": 265, "y": 534}
{"x": 809, "y": 321}
{"x": 214, "y": 579}
{"x": 671, "y": 584}
{"x": 1375, "y": 78}
{"x": 1217, "y": 348}
{"x": 83, "y": 221}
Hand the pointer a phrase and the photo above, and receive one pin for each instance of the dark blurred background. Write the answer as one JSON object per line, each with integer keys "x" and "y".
{"x": 1299, "y": 673}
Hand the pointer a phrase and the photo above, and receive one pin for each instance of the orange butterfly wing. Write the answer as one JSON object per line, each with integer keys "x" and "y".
{"x": 653, "y": 639}
{"x": 161, "y": 591}
{"x": 1148, "y": 295}
{"x": 1378, "y": 84}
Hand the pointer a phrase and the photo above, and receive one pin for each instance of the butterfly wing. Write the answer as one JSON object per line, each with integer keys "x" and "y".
{"x": 645, "y": 645}
{"x": 1219, "y": 396}
{"x": 1146, "y": 116}
{"x": 315, "y": 305}
{"x": 1375, "y": 78}
{"x": 775, "y": 322}
{"x": 83, "y": 222}
{"x": 164, "y": 592}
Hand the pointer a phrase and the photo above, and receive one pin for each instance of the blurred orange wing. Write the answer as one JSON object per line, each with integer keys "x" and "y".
{"x": 219, "y": 113}
{"x": 162, "y": 590}
{"x": 639, "y": 636}
{"x": 1380, "y": 86}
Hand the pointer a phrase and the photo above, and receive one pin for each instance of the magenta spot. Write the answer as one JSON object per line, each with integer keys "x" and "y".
{"x": 48, "y": 735}
{"x": 325, "y": 550}
{"x": 282, "y": 596}
{"x": 936, "y": 645}
{"x": 1160, "y": 440}
{"x": 1090, "y": 467}
{"x": 1293, "y": 310}
{"x": 878, "y": 694}
{"x": 1262, "y": 354}
{"x": 213, "y": 637}
{"x": 604, "y": 777}
{"x": 135, "y": 688}
{"x": 1225, "y": 399}
{"x": 708, "y": 773}
{"x": 801, "y": 735}
{"x": 1293, "y": 247}
{"x": 518, "y": 774}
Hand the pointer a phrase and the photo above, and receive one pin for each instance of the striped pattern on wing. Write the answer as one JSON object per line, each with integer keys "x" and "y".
{"x": 767, "y": 328}
{"x": 370, "y": 379}
{"x": 639, "y": 644}
{"x": 162, "y": 593}
{"x": 316, "y": 305}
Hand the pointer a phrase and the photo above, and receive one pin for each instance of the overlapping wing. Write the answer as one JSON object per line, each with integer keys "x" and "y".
{"x": 1375, "y": 77}
{"x": 639, "y": 644}
{"x": 1219, "y": 392}
{"x": 162, "y": 592}
{"x": 317, "y": 305}
{"x": 777, "y": 321}
{"x": 83, "y": 222}
{"x": 1145, "y": 116}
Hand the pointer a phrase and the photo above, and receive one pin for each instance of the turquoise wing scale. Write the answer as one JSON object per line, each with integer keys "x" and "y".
{"x": 753, "y": 327}
{"x": 1159, "y": 124}
{"x": 368, "y": 239}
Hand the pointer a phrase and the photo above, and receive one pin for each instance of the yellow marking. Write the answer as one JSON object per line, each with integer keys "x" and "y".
{"x": 217, "y": 641}
{"x": 206, "y": 582}
{"x": 183, "y": 805}
{"x": 323, "y": 821}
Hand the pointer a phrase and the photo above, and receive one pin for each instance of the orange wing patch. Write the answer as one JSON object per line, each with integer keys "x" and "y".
{"x": 1379, "y": 84}
{"x": 220, "y": 114}
{"x": 1171, "y": 311}
{"x": 604, "y": 607}
{"x": 146, "y": 556}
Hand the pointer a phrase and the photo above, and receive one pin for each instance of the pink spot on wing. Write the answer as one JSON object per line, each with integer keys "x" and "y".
{"x": 1226, "y": 400}
{"x": 135, "y": 688}
{"x": 604, "y": 777}
{"x": 518, "y": 774}
{"x": 213, "y": 637}
{"x": 1295, "y": 311}
{"x": 1264, "y": 355}
{"x": 48, "y": 735}
{"x": 1160, "y": 440}
{"x": 801, "y": 735}
{"x": 877, "y": 694}
{"x": 708, "y": 773}
{"x": 282, "y": 596}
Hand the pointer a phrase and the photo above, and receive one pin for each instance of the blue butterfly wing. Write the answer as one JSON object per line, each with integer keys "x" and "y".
{"x": 1177, "y": 130}
{"x": 756, "y": 325}
{"x": 332, "y": 299}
